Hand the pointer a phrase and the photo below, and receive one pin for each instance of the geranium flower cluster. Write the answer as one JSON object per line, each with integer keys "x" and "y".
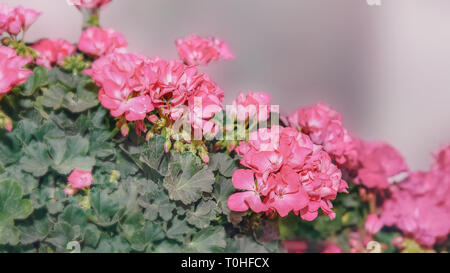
{"x": 324, "y": 126}
{"x": 97, "y": 41}
{"x": 90, "y": 4}
{"x": 381, "y": 165}
{"x": 53, "y": 51}
{"x": 420, "y": 206}
{"x": 15, "y": 20}
{"x": 133, "y": 85}
{"x": 196, "y": 50}
{"x": 12, "y": 69}
{"x": 286, "y": 172}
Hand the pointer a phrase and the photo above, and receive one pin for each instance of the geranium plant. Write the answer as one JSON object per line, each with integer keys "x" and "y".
{"x": 114, "y": 151}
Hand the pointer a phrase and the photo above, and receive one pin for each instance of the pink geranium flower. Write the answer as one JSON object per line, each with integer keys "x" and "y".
{"x": 118, "y": 76}
{"x": 373, "y": 223}
{"x": 381, "y": 165}
{"x": 53, "y": 51}
{"x": 296, "y": 175}
{"x": 253, "y": 105}
{"x": 14, "y": 20}
{"x": 12, "y": 72}
{"x": 442, "y": 159}
{"x": 80, "y": 179}
{"x": 196, "y": 50}
{"x": 295, "y": 246}
{"x": 97, "y": 41}
{"x": 331, "y": 247}
{"x": 90, "y": 4}
{"x": 324, "y": 125}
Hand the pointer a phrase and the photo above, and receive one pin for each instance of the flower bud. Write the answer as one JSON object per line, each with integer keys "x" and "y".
{"x": 149, "y": 135}
{"x": 167, "y": 145}
{"x": 125, "y": 129}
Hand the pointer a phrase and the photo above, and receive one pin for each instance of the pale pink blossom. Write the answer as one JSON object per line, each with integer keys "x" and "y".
{"x": 90, "y": 4}
{"x": 324, "y": 125}
{"x": 118, "y": 76}
{"x": 14, "y": 20}
{"x": 331, "y": 247}
{"x": 420, "y": 207}
{"x": 292, "y": 174}
{"x": 442, "y": 159}
{"x": 295, "y": 246}
{"x": 97, "y": 41}
{"x": 53, "y": 51}
{"x": 381, "y": 164}
{"x": 253, "y": 105}
{"x": 196, "y": 50}
{"x": 373, "y": 224}
{"x": 12, "y": 72}
{"x": 80, "y": 179}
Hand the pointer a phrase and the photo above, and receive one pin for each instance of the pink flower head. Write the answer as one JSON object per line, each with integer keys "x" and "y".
{"x": 11, "y": 69}
{"x": 252, "y": 105}
{"x": 14, "y": 20}
{"x": 373, "y": 224}
{"x": 381, "y": 164}
{"x": 53, "y": 51}
{"x": 314, "y": 121}
{"x": 295, "y": 246}
{"x": 80, "y": 179}
{"x": 321, "y": 179}
{"x": 442, "y": 159}
{"x": 196, "y": 50}
{"x": 331, "y": 247}
{"x": 90, "y": 4}
{"x": 295, "y": 175}
{"x": 118, "y": 75}
{"x": 97, "y": 41}
{"x": 358, "y": 241}
{"x": 419, "y": 206}
{"x": 324, "y": 126}
{"x": 204, "y": 103}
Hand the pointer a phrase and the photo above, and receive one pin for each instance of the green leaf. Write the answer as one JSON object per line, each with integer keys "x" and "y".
{"x": 36, "y": 160}
{"x": 80, "y": 101}
{"x": 10, "y": 149}
{"x": 244, "y": 245}
{"x": 70, "y": 153}
{"x": 154, "y": 155}
{"x": 75, "y": 216}
{"x": 223, "y": 163}
{"x": 38, "y": 79}
{"x": 106, "y": 208}
{"x": 151, "y": 233}
{"x": 208, "y": 240}
{"x": 205, "y": 212}
{"x": 53, "y": 97}
{"x": 62, "y": 234}
{"x": 12, "y": 207}
{"x": 91, "y": 235}
{"x": 187, "y": 180}
{"x": 178, "y": 229}
{"x": 222, "y": 190}
{"x": 35, "y": 228}
{"x": 157, "y": 203}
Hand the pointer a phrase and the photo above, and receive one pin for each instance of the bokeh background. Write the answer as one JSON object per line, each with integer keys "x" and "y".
{"x": 385, "y": 68}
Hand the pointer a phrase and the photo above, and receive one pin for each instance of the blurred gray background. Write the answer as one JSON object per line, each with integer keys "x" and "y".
{"x": 385, "y": 68}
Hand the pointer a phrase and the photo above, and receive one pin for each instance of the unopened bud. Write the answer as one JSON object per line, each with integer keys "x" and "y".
{"x": 167, "y": 145}
{"x": 114, "y": 176}
{"x": 177, "y": 145}
{"x": 125, "y": 129}
{"x": 149, "y": 135}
